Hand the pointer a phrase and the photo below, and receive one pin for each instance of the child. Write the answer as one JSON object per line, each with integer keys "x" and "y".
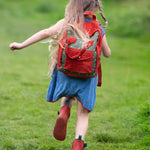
{"x": 79, "y": 13}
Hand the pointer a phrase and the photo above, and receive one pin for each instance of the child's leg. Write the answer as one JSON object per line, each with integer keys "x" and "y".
{"x": 82, "y": 121}
{"x": 69, "y": 101}
{"x": 60, "y": 128}
{"x": 81, "y": 127}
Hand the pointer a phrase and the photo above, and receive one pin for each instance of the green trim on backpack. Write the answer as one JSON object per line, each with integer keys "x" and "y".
{"x": 78, "y": 74}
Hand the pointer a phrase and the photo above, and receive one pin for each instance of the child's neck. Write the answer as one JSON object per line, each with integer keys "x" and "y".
{"x": 88, "y": 17}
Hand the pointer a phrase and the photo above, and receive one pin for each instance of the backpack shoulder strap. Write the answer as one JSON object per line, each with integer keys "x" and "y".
{"x": 94, "y": 21}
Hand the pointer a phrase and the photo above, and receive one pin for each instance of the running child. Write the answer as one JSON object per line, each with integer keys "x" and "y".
{"x": 77, "y": 38}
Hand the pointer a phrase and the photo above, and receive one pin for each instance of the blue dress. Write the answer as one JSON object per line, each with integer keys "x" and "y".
{"x": 64, "y": 86}
{"x": 83, "y": 89}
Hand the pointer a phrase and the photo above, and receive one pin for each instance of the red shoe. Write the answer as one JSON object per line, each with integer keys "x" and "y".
{"x": 78, "y": 144}
{"x": 59, "y": 131}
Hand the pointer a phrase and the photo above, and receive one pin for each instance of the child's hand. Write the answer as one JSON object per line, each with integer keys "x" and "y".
{"x": 15, "y": 46}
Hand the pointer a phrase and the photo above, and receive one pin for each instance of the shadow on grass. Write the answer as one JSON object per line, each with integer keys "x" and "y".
{"x": 28, "y": 147}
{"x": 140, "y": 129}
{"x": 32, "y": 147}
{"x": 106, "y": 138}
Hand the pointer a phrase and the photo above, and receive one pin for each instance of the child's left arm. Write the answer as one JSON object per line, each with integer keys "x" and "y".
{"x": 38, "y": 36}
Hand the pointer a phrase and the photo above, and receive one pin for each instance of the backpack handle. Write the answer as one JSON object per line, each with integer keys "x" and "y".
{"x": 90, "y": 13}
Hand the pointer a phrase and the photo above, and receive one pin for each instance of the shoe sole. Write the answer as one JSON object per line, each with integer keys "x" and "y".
{"x": 59, "y": 131}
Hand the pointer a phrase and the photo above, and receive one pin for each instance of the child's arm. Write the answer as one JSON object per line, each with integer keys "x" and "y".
{"x": 38, "y": 36}
{"x": 105, "y": 48}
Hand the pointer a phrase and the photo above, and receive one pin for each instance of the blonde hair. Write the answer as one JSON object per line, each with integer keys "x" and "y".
{"x": 74, "y": 17}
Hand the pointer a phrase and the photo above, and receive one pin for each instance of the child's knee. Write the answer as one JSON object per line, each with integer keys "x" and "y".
{"x": 82, "y": 112}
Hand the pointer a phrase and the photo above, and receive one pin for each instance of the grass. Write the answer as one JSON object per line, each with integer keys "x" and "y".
{"x": 121, "y": 117}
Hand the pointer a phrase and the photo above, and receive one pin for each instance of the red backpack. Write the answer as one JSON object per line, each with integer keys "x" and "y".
{"x": 77, "y": 61}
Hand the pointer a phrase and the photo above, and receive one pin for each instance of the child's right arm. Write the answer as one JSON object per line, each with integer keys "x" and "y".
{"x": 38, "y": 36}
{"x": 105, "y": 48}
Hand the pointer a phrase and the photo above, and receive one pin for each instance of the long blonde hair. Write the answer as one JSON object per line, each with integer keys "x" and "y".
{"x": 74, "y": 18}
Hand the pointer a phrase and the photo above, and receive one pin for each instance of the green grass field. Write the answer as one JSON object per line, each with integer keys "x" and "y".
{"x": 121, "y": 117}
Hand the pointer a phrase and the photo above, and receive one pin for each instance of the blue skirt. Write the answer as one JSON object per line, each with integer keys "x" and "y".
{"x": 63, "y": 86}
